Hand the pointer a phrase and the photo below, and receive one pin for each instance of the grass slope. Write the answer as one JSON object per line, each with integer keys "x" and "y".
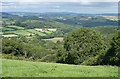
{"x": 16, "y": 27}
{"x": 19, "y": 68}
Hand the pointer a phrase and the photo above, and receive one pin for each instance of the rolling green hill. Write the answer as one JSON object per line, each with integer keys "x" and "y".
{"x": 20, "y": 68}
{"x": 106, "y": 29}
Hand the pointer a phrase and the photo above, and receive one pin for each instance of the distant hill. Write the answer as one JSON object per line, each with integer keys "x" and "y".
{"x": 65, "y": 13}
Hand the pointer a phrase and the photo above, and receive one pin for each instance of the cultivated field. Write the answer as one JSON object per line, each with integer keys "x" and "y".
{"x": 36, "y": 32}
{"x": 16, "y": 27}
{"x": 10, "y": 35}
{"x": 114, "y": 18}
{"x": 52, "y": 29}
{"x": 22, "y": 32}
{"x": 7, "y": 29}
{"x": 55, "y": 39}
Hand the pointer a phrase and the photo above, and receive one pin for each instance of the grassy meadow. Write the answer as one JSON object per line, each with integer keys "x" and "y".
{"x": 16, "y": 27}
{"x": 36, "y": 32}
{"x": 20, "y": 68}
{"x": 22, "y": 32}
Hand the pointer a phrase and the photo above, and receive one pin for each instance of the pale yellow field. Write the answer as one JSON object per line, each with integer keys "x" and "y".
{"x": 10, "y": 35}
{"x": 111, "y": 17}
{"x": 38, "y": 29}
{"x": 52, "y": 29}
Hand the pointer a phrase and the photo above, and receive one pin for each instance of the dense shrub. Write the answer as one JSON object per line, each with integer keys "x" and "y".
{"x": 84, "y": 46}
{"x": 10, "y": 56}
{"x": 112, "y": 57}
{"x": 28, "y": 49}
{"x": 11, "y": 47}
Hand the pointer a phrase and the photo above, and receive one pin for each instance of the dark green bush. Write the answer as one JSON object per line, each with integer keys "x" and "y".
{"x": 10, "y": 56}
{"x": 112, "y": 57}
{"x": 12, "y": 47}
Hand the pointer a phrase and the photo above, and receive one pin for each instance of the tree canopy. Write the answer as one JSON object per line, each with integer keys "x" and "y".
{"x": 112, "y": 57}
{"x": 82, "y": 46}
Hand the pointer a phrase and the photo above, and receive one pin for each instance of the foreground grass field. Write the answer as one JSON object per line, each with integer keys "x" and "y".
{"x": 19, "y": 68}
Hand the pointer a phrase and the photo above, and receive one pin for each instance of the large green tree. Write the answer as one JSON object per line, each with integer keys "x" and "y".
{"x": 82, "y": 46}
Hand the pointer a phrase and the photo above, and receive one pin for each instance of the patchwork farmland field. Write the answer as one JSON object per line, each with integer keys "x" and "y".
{"x": 7, "y": 29}
{"x": 52, "y": 29}
{"x": 36, "y": 32}
{"x": 10, "y": 35}
{"x": 22, "y": 32}
{"x": 114, "y": 18}
{"x": 55, "y": 39}
{"x": 48, "y": 32}
{"x": 16, "y": 27}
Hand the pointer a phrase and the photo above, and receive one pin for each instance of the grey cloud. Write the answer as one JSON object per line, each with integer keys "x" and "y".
{"x": 95, "y": 7}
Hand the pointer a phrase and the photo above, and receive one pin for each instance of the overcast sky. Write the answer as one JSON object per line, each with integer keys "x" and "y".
{"x": 60, "y": 0}
{"x": 75, "y": 6}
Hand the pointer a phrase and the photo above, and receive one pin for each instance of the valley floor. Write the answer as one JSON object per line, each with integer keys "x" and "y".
{"x": 20, "y": 68}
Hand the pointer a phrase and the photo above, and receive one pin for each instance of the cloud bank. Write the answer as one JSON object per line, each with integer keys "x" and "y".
{"x": 75, "y": 7}
{"x": 60, "y": 1}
